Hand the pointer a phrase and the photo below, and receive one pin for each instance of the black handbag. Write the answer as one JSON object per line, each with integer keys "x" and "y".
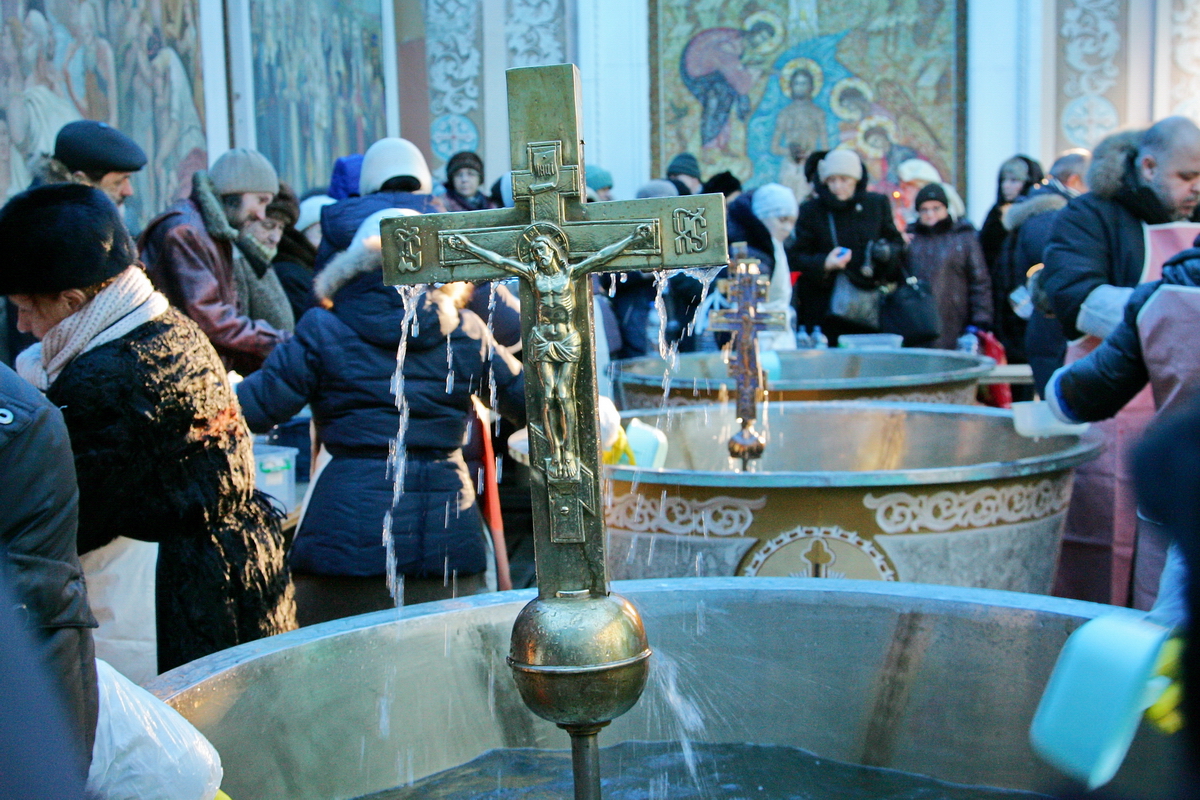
{"x": 910, "y": 310}
{"x": 852, "y": 303}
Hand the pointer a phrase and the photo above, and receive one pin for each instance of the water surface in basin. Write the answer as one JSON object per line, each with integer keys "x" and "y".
{"x": 661, "y": 771}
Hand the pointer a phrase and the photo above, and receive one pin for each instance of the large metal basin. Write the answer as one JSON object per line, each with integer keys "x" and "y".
{"x": 915, "y": 375}
{"x": 934, "y": 680}
{"x": 883, "y": 491}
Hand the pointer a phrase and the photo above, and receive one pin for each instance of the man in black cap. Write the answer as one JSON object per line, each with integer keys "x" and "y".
{"x": 94, "y": 154}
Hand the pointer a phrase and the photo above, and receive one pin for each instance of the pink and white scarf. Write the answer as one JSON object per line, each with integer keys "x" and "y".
{"x": 127, "y": 303}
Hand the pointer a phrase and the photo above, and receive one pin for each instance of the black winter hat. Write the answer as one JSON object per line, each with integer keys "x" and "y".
{"x": 464, "y": 160}
{"x": 90, "y": 146}
{"x": 684, "y": 164}
{"x": 62, "y": 236}
{"x": 724, "y": 182}
{"x": 931, "y": 191}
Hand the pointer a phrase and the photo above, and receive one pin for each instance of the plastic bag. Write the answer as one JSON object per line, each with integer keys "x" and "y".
{"x": 145, "y": 750}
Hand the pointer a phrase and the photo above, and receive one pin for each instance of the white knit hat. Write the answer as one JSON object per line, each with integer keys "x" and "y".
{"x": 773, "y": 200}
{"x": 391, "y": 158}
{"x": 840, "y": 162}
{"x": 916, "y": 169}
{"x": 310, "y": 211}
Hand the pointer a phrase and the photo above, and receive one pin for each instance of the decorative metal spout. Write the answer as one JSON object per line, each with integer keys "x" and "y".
{"x": 747, "y": 289}
{"x": 580, "y": 660}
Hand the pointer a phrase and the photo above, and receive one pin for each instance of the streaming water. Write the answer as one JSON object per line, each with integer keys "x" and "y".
{"x": 493, "y": 287}
{"x": 397, "y": 454}
{"x": 659, "y": 770}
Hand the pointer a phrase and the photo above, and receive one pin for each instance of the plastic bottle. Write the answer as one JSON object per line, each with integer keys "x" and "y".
{"x": 819, "y": 339}
{"x": 803, "y": 341}
{"x": 969, "y": 342}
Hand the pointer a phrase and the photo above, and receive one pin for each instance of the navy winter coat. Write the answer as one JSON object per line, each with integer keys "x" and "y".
{"x": 1099, "y": 385}
{"x": 341, "y": 220}
{"x": 1098, "y": 238}
{"x": 341, "y": 362}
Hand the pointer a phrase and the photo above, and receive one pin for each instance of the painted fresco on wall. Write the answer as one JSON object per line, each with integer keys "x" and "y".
{"x": 134, "y": 64}
{"x": 754, "y": 86}
{"x": 318, "y": 83}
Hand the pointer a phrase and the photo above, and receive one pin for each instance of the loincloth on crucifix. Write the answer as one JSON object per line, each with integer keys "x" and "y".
{"x": 549, "y": 344}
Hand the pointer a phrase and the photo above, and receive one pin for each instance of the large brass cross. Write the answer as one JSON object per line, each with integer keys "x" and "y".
{"x": 552, "y": 240}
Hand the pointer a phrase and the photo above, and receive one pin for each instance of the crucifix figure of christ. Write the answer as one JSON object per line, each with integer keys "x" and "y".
{"x": 556, "y": 347}
{"x": 552, "y": 240}
{"x": 748, "y": 288}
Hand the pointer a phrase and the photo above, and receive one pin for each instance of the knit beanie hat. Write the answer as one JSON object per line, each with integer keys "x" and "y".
{"x": 240, "y": 171}
{"x": 90, "y": 146}
{"x": 284, "y": 207}
{"x": 684, "y": 164}
{"x": 310, "y": 211}
{"x": 840, "y": 162}
{"x": 391, "y": 158}
{"x": 464, "y": 160}
{"x": 773, "y": 200}
{"x": 916, "y": 170}
{"x": 598, "y": 178}
{"x": 61, "y": 236}
{"x": 934, "y": 192}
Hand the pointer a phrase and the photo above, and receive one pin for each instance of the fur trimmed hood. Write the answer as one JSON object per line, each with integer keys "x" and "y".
{"x": 1111, "y": 160}
{"x": 1041, "y": 203}
{"x": 343, "y": 268}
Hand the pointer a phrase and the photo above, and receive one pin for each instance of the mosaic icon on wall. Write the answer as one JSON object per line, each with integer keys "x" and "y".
{"x": 318, "y": 83}
{"x": 134, "y": 64}
{"x": 755, "y": 86}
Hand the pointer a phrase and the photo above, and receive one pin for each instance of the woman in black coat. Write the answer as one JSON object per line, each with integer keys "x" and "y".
{"x": 1018, "y": 176}
{"x": 342, "y": 361}
{"x": 161, "y": 452}
{"x": 833, "y": 230}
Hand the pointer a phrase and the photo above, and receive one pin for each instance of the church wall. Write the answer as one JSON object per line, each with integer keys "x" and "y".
{"x": 318, "y": 74}
{"x": 1040, "y": 76}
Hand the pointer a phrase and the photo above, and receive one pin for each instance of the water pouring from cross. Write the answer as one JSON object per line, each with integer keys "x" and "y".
{"x": 579, "y": 654}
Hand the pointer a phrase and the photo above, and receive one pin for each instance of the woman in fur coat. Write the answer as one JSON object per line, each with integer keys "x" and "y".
{"x": 182, "y": 556}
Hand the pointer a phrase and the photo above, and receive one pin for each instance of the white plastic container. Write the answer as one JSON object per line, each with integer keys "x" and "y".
{"x": 275, "y": 473}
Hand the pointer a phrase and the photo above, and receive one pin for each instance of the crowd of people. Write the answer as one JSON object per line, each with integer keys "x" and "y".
{"x": 141, "y": 366}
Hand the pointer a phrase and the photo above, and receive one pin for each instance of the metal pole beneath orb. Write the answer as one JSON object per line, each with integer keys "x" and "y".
{"x": 585, "y": 761}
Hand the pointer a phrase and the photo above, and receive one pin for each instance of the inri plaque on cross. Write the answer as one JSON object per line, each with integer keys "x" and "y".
{"x": 552, "y": 240}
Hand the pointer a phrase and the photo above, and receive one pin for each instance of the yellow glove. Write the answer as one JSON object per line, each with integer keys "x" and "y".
{"x": 619, "y": 450}
{"x": 1165, "y": 714}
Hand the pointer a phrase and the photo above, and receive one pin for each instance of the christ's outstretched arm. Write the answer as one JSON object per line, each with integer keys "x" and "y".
{"x": 460, "y": 242}
{"x": 603, "y": 256}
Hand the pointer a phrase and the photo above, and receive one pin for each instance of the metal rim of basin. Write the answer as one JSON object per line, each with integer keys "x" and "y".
{"x": 1079, "y": 450}
{"x": 975, "y": 367}
{"x": 952, "y": 600}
